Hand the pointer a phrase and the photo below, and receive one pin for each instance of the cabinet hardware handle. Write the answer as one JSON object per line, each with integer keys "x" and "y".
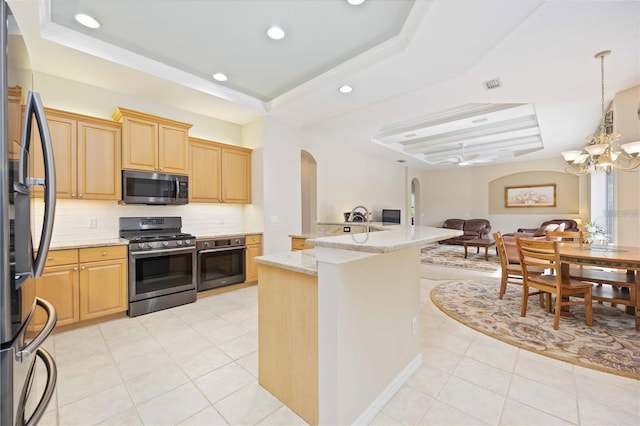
{"x": 73, "y": 195}
{"x": 104, "y": 253}
{"x": 80, "y": 195}
{"x": 50, "y": 258}
{"x": 75, "y": 268}
{"x": 83, "y": 268}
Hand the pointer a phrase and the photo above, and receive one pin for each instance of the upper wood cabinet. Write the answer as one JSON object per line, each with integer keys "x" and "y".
{"x": 14, "y": 121}
{"x": 219, "y": 173}
{"x": 153, "y": 143}
{"x": 236, "y": 175}
{"x": 205, "y": 183}
{"x": 86, "y": 152}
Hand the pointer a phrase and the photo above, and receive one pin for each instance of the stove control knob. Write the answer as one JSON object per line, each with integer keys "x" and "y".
{"x": 179, "y": 242}
{"x": 187, "y": 241}
{"x": 165, "y": 243}
{"x": 142, "y": 245}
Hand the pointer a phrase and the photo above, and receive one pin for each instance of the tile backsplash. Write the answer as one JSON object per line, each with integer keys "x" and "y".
{"x": 98, "y": 220}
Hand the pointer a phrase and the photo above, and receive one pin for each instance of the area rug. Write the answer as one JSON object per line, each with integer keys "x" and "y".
{"x": 612, "y": 344}
{"x": 453, "y": 256}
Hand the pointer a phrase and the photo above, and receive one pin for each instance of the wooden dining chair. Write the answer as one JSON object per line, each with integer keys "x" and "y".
{"x": 615, "y": 287}
{"x": 511, "y": 272}
{"x": 538, "y": 254}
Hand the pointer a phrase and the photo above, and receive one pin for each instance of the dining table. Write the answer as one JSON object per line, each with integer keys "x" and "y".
{"x": 616, "y": 270}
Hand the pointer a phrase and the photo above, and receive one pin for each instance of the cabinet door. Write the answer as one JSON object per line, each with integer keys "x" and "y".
{"x": 98, "y": 161}
{"x": 252, "y": 252}
{"x": 236, "y": 176}
{"x": 103, "y": 288}
{"x": 173, "y": 149}
{"x": 63, "y": 137}
{"x": 204, "y": 175}
{"x": 59, "y": 285}
{"x": 14, "y": 121}
{"x": 139, "y": 144}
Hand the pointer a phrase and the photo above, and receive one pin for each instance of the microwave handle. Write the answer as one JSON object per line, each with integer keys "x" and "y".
{"x": 177, "y": 189}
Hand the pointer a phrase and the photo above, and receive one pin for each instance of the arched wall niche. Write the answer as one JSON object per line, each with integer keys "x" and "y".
{"x": 309, "y": 197}
{"x": 567, "y": 192}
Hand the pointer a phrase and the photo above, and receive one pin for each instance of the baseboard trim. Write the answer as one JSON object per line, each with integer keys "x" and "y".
{"x": 385, "y": 396}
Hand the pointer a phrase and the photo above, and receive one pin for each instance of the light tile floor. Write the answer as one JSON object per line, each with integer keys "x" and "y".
{"x": 197, "y": 365}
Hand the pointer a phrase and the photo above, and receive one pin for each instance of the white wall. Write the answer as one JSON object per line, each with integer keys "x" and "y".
{"x": 626, "y": 199}
{"x": 85, "y": 99}
{"x": 348, "y": 178}
{"x": 463, "y": 192}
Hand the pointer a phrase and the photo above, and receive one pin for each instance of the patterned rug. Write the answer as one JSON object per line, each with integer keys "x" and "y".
{"x": 612, "y": 344}
{"x": 453, "y": 256}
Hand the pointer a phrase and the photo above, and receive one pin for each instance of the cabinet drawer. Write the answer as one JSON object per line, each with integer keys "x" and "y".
{"x": 253, "y": 239}
{"x": 93, "y": 254}
{"x": 299, "y": 244}
{"x": 61, "y": 257}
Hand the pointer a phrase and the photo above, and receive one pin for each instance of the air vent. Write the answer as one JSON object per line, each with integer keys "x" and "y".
{"x": 492, "y": 84}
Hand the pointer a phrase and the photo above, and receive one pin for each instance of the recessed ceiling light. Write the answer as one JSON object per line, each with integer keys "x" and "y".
{"x": 410, "y": 135}
{"x": 355, "y": 2}
{"x": 401, "y": 161}
{"x": 345, "y": 89}
{"x": 86, "y": 20}
{"x": 275, "y": 33}
{"x": 220, "y": 76}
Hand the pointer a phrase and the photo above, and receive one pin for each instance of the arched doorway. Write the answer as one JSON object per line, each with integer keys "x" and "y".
{"x": 414, "y": 215}
{"x": 308, "y": 185}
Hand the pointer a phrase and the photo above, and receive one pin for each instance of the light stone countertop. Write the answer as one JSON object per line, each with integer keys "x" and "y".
{"x": 63, "y": 245}
{"x": 303, "y": 261}
{"x": 398, "y": 238}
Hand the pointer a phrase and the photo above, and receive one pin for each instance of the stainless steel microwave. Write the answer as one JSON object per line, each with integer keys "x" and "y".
{"x": 154, "y": 188}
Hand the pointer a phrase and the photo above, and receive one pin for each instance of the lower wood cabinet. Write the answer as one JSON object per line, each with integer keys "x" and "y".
{"x": 83, "y": 284}
{"x": 254, "y": 249}
{"x": 300, "y": 244}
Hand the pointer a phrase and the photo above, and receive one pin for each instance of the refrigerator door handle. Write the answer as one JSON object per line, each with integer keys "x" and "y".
{"x": 33, "y": 345}
{"x": 34, "y": 108}
{"x": 52, "y": 374}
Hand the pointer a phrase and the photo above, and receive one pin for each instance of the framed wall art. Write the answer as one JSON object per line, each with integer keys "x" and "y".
{"x": 530, "y": 196}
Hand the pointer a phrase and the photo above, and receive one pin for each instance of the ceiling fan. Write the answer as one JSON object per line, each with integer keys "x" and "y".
{"x": 465, "y": 159}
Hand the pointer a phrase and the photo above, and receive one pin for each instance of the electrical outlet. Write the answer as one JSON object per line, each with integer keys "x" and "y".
{"x": 414, "y": 325}
{"x": 93, "y": 222}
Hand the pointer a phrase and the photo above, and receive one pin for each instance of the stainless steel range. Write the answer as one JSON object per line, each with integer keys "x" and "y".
{"x": 162, "y": 263}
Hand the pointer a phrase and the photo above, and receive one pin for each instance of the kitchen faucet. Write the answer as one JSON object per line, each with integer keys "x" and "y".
{"x": 366, "y": 215}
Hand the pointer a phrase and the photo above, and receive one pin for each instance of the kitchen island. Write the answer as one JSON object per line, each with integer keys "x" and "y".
{"x": 339, "y": 324}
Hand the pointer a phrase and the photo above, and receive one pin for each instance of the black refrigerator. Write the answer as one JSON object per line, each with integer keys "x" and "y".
{"x": 21, "y": 351}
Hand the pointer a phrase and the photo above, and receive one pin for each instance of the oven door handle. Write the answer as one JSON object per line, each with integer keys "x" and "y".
{"x": 221, "y": 249}
{"x": 163, "y": 251}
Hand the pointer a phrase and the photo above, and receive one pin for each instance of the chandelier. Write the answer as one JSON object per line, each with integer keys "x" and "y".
{"x": 603, "y": 152}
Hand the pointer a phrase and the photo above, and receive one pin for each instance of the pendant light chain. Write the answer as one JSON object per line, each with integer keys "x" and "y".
{"x": 602, "y": 92}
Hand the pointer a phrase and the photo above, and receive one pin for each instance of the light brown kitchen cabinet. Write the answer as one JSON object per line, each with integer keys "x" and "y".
{"x": 254, "y": 249}
{"x": 103, "y": 281}
{"x": 236, "y": 175}
{"x": 204, "y": 171}
{"x": 59, "y": 285}
{"x": 86, "y": 153}
{"x": 299, "y": 244}
{"x": 83, "y": 284}
{"x": 14, "y": 121}
{"x": 219, "y": 173}
{"x": 151, "y": 143}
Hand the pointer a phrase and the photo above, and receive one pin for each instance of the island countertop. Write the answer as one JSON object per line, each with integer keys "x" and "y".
{"x": 303, "y": 261}
{"x": 386, "y": 241}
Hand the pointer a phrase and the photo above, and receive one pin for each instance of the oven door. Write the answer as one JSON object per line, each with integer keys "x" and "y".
{"x": 220, "y": 267}
{"x": 159, "y": 272}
